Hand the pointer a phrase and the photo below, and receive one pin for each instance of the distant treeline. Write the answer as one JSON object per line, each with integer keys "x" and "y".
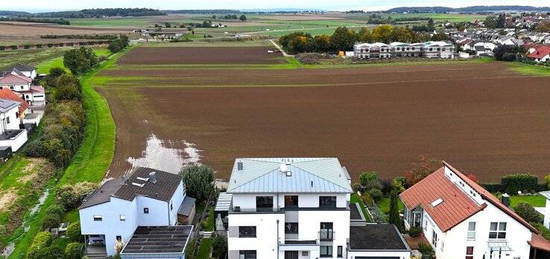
{"x": 35, "y": 20}
{"x": 101, "y": 12}
{"x": 382, "y": 19}
{"x": 54, "y": 45}
{"x": 13, "y": 13}
{"x": 81, "y": 36}
{"x": 205, "y": 11}
{"x": 470, "y": 9}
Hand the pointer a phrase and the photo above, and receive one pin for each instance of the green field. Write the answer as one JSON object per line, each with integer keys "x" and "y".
{"x": 45, "y": 66}
{"x": 110, "y": 22}
{"x": 28, "y": 56}
{"x": 531, "y": 70}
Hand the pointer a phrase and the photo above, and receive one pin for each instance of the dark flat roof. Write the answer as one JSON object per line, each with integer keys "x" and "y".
{"x": 376, "y": 236}
{"x": 164, "y": 239}
{"x": 186, "y": 206}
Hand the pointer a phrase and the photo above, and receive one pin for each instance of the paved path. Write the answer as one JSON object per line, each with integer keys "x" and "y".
{"x": 280, "y": 49}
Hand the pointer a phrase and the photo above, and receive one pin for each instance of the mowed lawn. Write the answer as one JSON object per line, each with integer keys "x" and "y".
{"x": 481, "y": 117}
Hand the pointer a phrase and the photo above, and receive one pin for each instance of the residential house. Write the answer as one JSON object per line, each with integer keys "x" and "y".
{"x": 26, "y": 115}
{"x": 21, "y": 69}
{"x": 298, "y": 208}
{"x": 484, "y": 49}
{"x": 438, "y": 49}
{"x": 372, "y": 50}
{"x": 540, "y": 53}
{"x": 461, "y": 219}
{"x": 120, "y": 214}
{"x": 11, "y": 136}
{"x": 430, "y": 49}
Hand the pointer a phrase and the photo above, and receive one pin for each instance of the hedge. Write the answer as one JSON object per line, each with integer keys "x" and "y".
{"x": 519, "y": 182}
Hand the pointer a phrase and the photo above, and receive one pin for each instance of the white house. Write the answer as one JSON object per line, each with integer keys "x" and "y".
{"x": 376, "y": 50}
{"x": 110, "y": 216}
{"x": 292, "y": 208}
{"x": 22, "y": 85}
{"x": 22, "y": 69}
{"x": 461, "y": 219}
{"x": 10, "y": 134}
{"x": 430, "y": 49}
{"x": 484, "y": 49}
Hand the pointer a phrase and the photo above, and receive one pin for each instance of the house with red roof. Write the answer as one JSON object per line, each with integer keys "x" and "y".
{"x": 22, "y": 85}
{"x": 461, "y": 219}
{"x": 540, "y": 53}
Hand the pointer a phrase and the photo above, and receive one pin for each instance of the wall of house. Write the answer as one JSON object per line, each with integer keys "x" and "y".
{"x": 380, "y": 254}
{"x": 16, "y": 142}
{"x": 265, "y": 242}
{"x": 13, "y": 123}
{"x": 517, "y": 236}
{"x": 17, "y": 87}
{"x": 547, "y": 214}
{"x": 429, "y": 227}
{"x": 111, "y": 224}
{"x": 248, "y": 201}
{"x": 175, "y": 203}
{"x": 158, "y": 212}
{"x": 309, "y": 225}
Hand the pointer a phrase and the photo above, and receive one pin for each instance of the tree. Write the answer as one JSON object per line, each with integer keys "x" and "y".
{"x": 370, "y": 180}
{"x": 394, "y": 217}
{"x": 51, "y": 221}
{"x": 242, "y": 18}
{"x": 383, "y": 33}
{"x": 80, "y": 60}
{"x": 343, "y": 39}
{"x": 420, "y": 169}
{"x": 365, "y": 35}
{"x": 199, "y": 181}
{"x": 543, "y": 26}
{"x": 73, "y": 232}
{"x": 321, "y": 43}
{"x": 528, "y": 213}
{"x": 431, "y": 24}
{"x": 501, "y": 21}
{"x": 219, "y": 247}
{"x": 74, "y": 250}
{"x": 440, "y": 36}
{"x": 491, "y": 21}
{"x": 508, "y": 53}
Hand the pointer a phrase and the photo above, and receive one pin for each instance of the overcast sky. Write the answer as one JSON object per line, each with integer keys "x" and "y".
{"x": 51, "y": 5}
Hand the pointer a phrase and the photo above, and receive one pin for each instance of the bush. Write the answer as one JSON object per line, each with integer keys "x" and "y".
{"x": 67, "y": 92}
{"x": 543, "y": 230}
{"x": 367, "y": 199}
{"x": 528, "y": 213}
{"x": 519, "y": 182}
{"x": 55, "y": 209}
{"x": 415, "y": 231}
{"x": 46, "y": 253}
{"x": 199, "y": 181}
{"x": 80, "y": 60}
{"x": 70, "y": 196}
{"x": 41, "y": 241}
{"x": 370, "y": 180}
{"x": 73, "y": 232}
{"x": 426, "y": 250}
{"x": 74, "y": 250}
{"x": 219, "y": 247}
{"x": 547, "y": 181}
{"x": 51, "y": 221}
{"x": 376, "y": 194}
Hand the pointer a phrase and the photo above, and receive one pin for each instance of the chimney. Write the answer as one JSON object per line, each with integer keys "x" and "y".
{"x": 153, "y": 177}
{"x": 505, "y": 199}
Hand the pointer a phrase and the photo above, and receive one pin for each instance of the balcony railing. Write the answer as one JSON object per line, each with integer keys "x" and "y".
{"x": 237, "y": 209}
{"x": 326, "y": 234}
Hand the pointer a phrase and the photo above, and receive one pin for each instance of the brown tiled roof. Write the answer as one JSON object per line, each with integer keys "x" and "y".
{"x": 163, "y": 189}
{"x": 455, "y": 208}
{"x": 490, "y": 197}
{"x": 15, "y": 79}
{"x": 10, "y": 95}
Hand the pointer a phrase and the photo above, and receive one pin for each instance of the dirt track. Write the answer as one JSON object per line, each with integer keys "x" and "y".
{"x": 482, "y": 118}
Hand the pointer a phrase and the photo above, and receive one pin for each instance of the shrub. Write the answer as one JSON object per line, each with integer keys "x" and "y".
{"x": 426, "y": 250}
{"x": 219, "y": 247}
{"x": 528, "y": 213}
{"x": 367, "y": 199}
{"x": 415, "y": 231}
{"x": 74, "y": 250}
{"x": 80, "y": 60}
{"x": 51, "y": 221}
{"x": 547, "y": 181}
{"x": 543, "y": 230}
{"x": 41, "y": 241}
{"x": 55, "y": 209}
{"x": 46, "y": 253}
{"x": 70, "y": 196}
{"x": 67, "y": 92}
{"x": 199, "y": 181}
{"x": 376, "y": 194}
{"x": 73, "y": 232}
{"x": 519, "y": 182}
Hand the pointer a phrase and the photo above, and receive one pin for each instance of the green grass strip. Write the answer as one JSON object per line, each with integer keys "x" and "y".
{"x": 530, "y": 70}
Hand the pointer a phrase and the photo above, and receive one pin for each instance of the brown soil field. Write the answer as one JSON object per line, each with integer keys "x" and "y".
{"x": 482, "y": 118}
{"x": 199, "y": 55}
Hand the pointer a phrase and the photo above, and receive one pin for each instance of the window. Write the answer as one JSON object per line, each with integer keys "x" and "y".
{"x": 339, "y": 251}
{"x": 326, "y": 232}
{"x": 145, "y": 210}
{"x": 247, "y": 231}
{"x": 326, "y": 251}
{"x": 291, "y": 202}
{"x": 434, "y": 238}
{"x": 119, "y": 238}
{"x": 327, "y": 201}
{"x": 471, "y": 231}
{"x": 171, "y": 206}
{"x": 469, "y": 252}
{"x": 247, "y": 254}
{"x": 98, "y": 218}
{"x": 291, "y": 228}
{"x": 264, "y": 203}
{"x": 8, "y": 119}
{"x": 497, "y": 230}
{"x": 122, "y": 217}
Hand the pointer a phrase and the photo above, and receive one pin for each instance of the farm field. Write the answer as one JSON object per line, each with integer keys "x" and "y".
{"x": 484, "y": 118}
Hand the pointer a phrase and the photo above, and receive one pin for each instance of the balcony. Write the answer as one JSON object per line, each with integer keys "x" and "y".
{"x": 237, "y": 209}
{"x": 326, "y": 234}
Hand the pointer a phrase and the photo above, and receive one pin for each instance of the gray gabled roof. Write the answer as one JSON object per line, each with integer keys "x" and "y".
{"x": 306, "y": 175}
{"x": 7, "y": 105}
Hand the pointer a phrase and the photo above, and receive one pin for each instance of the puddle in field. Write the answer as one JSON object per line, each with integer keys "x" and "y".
{"x": 169, "y": 156}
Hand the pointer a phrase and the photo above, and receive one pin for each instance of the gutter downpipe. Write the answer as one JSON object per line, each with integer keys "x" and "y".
{"x": 278, "y": 242}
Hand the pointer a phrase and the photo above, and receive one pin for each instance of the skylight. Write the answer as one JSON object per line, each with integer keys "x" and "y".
{"x": 437, "y": 202}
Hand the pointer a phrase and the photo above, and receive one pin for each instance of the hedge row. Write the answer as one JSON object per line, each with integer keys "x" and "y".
{"x": 515, "y": 183}
{"x": 51, "y": 45}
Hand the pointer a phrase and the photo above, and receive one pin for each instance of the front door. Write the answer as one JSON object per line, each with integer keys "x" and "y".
{"x": 291, "y": 254}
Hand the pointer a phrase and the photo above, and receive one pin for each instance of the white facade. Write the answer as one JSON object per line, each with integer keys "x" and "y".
{"x": 119, "y": 217}
{"x": 476, "y": 233}
{"x": 430, "y": 49}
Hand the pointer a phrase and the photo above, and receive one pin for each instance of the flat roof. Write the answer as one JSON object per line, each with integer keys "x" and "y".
{"x": 161, "y": 239}
{"x": 224, "y": 202}
{"x": 377, "y": 237}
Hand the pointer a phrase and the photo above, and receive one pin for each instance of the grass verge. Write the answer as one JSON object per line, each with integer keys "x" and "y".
{"x": 356, "y": 199}
{"x": 205, "y": 248}
{"x": 530, "y": 70}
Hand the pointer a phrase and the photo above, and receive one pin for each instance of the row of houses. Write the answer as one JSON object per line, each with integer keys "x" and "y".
{"x": 298, "y": 208}
{"x": 378, "y": 50}
{"x": 21, "y": 107}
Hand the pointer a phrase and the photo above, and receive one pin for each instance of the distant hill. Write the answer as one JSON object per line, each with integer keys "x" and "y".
{"x": 102, "y": 12}
{"x": 470, "y": 9}
{"x": 205, "y": 11}
{"x": 13, "y": 13}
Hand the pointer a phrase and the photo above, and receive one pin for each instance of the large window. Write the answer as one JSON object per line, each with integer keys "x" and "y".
{"x": 291, "y": 228}
{"x": 434, "y": 238}
{"x": 471, "y": 231}
{"x": 291, "y": 202}
{"x": 326, "y": 232}
{"x": 247, "y": 254}
{"x": 469, "y": 252}
{"x": 264, "y": 203}
{"x": 247, "y": 231}
{"x": 497, "y": 230}
{"x": 327, "y": 201}
{"x": 326, "y": 251}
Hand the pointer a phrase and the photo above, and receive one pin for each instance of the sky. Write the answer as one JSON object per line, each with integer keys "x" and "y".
{"x": 369, "y": 5}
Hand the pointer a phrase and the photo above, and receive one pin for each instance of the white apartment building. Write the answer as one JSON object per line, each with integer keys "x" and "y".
{"x": 296, "y": 208}
{"x": 430, "y": 49}
{"x": 148, "y": 201}
{"x": 11, "y": 136}
{"x": 461, "y": 219}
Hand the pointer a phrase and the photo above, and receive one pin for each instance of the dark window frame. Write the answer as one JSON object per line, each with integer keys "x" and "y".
{"x": 247, "y": 231}
{"x": 145, "y": 210}
{"x": 328, "y": 251}
{"x": 264, "y": 203}
{"x": 339, "y": 251}
{"x": 291, "y": 201}
{"x": 327, "y": 201}
{"x": 291, "y": 228}
{"x": 248, "y": 254}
